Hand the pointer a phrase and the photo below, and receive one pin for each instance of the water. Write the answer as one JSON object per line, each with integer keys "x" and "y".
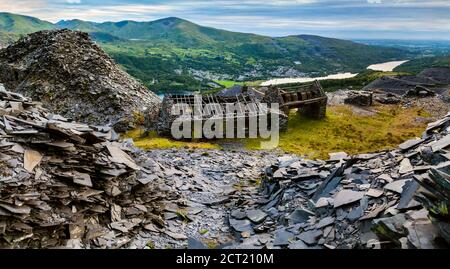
{"x": 306, "y": 79}
{"x": 387, "y": 66}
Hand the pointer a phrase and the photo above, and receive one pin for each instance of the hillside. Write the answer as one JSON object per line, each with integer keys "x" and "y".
{"x": 22, "y": 25}
{"x": 175, "y": 54}
{"x": 417, "y": 65}
{"x": 169, "y": 53}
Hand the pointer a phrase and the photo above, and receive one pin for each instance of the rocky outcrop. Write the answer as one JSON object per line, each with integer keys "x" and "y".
{"x": 67, "y": 184}
{"x": 350, "y": 97}
{"x": 73, "y": 77}
{"x": 434, "y": 79}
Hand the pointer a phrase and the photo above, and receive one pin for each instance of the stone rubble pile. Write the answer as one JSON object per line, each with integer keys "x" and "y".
{"x": 204, "y": 185}
{"x": 66, "y": 184}
{"x": 431, "y": 80}
{"x": 389, "y": 199}
{"x": 361, "y": 98}
{"x": 72, "y": 76}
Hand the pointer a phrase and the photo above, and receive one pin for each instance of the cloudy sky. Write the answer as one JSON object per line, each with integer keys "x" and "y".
{"x": 353, "y": 19}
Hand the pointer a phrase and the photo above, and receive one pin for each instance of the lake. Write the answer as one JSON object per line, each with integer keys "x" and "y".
{"x": 277, "y": 81}
{"x": 386, "y": 67}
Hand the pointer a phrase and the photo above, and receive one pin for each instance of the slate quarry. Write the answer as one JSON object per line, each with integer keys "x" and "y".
{"x": 73, "y": 77}
{"x": 389, "y": 199}
{"x": 65, "y": 184}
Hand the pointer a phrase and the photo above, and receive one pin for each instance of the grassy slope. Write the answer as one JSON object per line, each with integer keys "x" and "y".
{"x": 357, "y": 82}
{"x": 161, "y": 52}
{"x": 22, "y": 25}
{"x": 417, "y": 65}
{"x": 343, "y": 130}
{"x": 178, "y": 44}
{"x": 153, "y": 141}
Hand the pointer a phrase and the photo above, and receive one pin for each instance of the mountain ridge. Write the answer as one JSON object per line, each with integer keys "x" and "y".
{"x": 176, "y": 54}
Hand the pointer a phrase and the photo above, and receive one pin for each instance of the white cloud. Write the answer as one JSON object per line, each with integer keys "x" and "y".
{"x": 21, "y": 6}
{"x": 412, "y": 3}
{"x": 278, "y": 17}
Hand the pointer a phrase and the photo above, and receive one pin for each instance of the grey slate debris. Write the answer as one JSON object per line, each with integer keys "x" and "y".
{"x": 385, "y": 192}
{"x": 80, "y": 185}
{"x": 67, "y": 184}
{"x": 72, "y": 76}
{"x": 282, "y": 237}
{"x": 256, "y": 215}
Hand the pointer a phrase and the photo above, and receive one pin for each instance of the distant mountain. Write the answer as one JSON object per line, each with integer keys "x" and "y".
{"x": 22, "y": 25}
{"x": 417, "y": 65}
{"x": 173, "y": 53}
{"x": 169, "y": 30}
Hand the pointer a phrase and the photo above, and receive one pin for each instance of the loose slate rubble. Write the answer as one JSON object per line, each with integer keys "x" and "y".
{"x": 74, "y": 77}
{"x": 298, "y": 204}
{"x": 66, "y": 184}
{"x": 365, "y": 201}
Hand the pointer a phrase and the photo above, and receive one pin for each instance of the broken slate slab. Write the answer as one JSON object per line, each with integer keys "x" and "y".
{"x": 82, "y": 179}
{"x": 408, "y": 192}
{"x": 422, "y": 234}
{"x": 410, "y": 144}
{"x": 441, "y": 143}
{"x": 238, "y": 214}
{"x": 241, "y": 225}
{"x": 391, "y": 228}
{"x": 396, "y": 186}
{"x": 345, "y": 197}
{"x": 337, "y": 156}
{"x": 298, "y": 245}
{"x": 256, "y": 215}
{"x": 324, "y": 190}
{"x": 358, "y": 212}
{"x": 385, "y": 177}
{"x": 300, "y": 215}
{"x": 310, "y": 237}
{"x": 176, "y": 236}
{"x": 119, "y": 156}
{"x": 374, "y": 193}
{"x": 282, "y": 237}
{"x": 322, "y": 202}
{"x": 218, "y": 201}
{"x": 405, "y": 166}
{"x": 325, "y": 222}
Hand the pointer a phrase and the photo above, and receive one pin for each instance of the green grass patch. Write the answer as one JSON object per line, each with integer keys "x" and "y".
{"x": 344, "y": 130}
{"x": 228, "y": 83}
{"x": 153, "y": 141}
{"x": 358, "y": 82}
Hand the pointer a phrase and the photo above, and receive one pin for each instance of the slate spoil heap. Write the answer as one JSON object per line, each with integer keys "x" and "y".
{"x": 75, "y": 78}
{"x": 64, "y": 184}
{"x": 389, "y": 199}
